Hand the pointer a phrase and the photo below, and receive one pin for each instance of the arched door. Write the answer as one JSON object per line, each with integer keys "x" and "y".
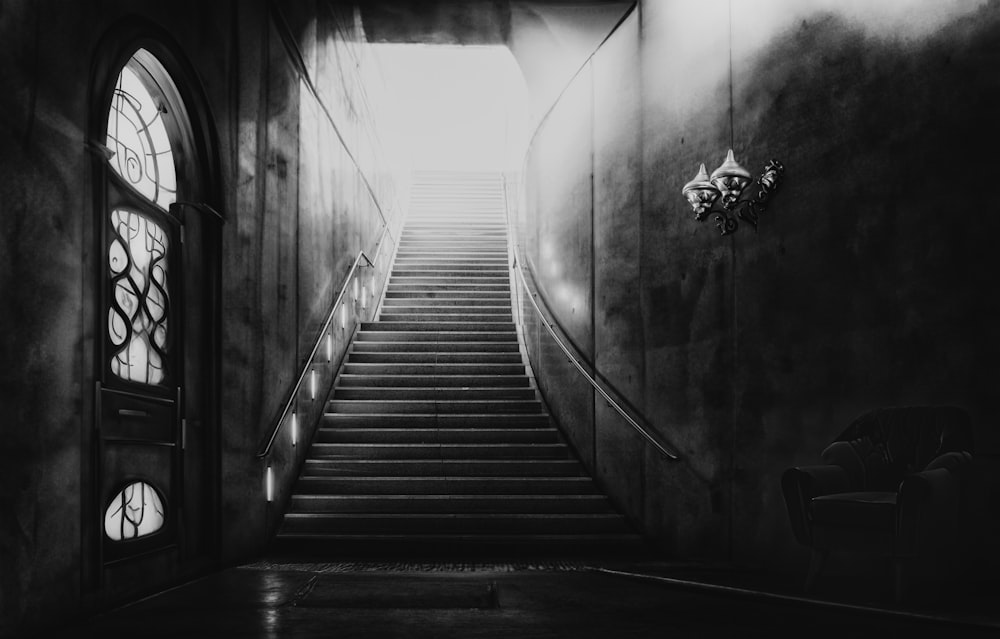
{"x": 155, "y": 404}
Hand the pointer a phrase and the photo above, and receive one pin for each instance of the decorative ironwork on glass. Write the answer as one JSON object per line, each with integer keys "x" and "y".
{"x": 139, "y": 306}
{"x": 138, "y": 137}
{"x": 136, "y": 511}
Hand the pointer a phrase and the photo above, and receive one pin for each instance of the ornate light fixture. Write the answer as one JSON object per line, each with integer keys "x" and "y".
{"x": 727, "y": 186}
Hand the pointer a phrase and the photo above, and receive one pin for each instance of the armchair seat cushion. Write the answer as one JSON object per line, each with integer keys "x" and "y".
{"x": 868, "y": 510}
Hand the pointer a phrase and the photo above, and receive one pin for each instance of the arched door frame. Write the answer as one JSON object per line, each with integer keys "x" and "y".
{"x": 199, "y": 195}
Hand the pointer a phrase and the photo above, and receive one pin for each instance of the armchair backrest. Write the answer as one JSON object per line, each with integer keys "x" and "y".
{"x": 882, "y": 446}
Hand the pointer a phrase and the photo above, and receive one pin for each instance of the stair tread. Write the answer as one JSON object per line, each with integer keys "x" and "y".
{"x": 456, "y": 497}
{"x": 459, "y": 480}
{"x": 461, "y": 536}
{"x": 539, "y": 516}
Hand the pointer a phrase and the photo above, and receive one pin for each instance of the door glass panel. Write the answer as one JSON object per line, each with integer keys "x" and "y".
{"x": 138, "y": 137}
{"x": 137, "y": 317}
{"x": 136, "y": 511}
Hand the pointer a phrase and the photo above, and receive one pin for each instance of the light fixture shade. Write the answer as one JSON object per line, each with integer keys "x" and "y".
{"x": 700, "y": 193}
{"x": 730, "y": 178}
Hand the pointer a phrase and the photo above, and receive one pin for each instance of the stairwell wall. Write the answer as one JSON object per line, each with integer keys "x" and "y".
{"x": 749, "y": 354}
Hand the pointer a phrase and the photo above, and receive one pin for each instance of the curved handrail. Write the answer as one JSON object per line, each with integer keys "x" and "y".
{"x": 306, "y": 367}
{"x": 517, "y": 264}
{"x": 593, "y": 382}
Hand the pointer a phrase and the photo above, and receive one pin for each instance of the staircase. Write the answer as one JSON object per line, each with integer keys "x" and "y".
{"x": 435, "y": 439}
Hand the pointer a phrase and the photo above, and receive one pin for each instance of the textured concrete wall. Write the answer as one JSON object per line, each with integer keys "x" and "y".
{"x": 301, "y": 184}
{"x": 869, "y": 284}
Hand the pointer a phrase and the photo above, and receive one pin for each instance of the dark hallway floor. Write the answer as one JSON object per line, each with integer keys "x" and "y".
{"x": 269, "y": 598}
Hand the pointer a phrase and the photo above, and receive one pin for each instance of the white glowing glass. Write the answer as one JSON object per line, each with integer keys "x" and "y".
{"x": 312, "y": 384}
{"x": 295, "y": 429}
{"x": 136, "y": 511}
{"x": 329, "y": 347}
{"x": 343, "y": 316}
{"x": 269, "y": 485}
{"x": 138, "y": 138}
{"x": 137, "y": 316}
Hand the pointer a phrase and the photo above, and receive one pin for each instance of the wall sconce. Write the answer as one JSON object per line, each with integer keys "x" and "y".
{"x": 727, "y": 186}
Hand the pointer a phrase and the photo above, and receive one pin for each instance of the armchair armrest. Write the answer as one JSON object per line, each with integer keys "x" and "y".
{"x": 801, "y": 484}
{"x": 928, "y": 510}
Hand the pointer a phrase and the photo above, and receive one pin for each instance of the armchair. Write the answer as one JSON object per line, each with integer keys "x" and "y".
{"x": 893, "y": 484}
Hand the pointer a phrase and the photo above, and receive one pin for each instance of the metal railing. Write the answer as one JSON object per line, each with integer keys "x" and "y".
{"x": 518, "y": 266}
{"x": 307, "y": 366}
{"x": 583, "y": 371}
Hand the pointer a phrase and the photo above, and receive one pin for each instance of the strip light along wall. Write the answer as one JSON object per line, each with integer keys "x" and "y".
{"x": 295, "y": 429}
{"x": 269, "y": 484}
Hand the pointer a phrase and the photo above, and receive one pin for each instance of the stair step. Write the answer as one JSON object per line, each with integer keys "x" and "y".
{"x": 415, "y": 243}
{"x": 492, "y": 523}
{"x": 438, "y": 234}
{"x": 526, "y": 421}
{"x": 446, "y": 290}
{"x": 431, "y": 453}
{"x": 358, "y": 368}
{"x": 443, "y": 406}
{"x": 529, "y": 468}
{"x": 433, "y": 357}
{"x": 493, "y": 296}
{"x": 437, "y": 336}
{"x": 469, "y": 234}
{"x": 457, "y": 262}
{"x": 445, "y": 317}
{"x": 437, "y": 435}
{"x": 449, "y": 211}
{"x": 456, "y": 256}
{"x": 475, "y": 274}
{"x": 449, "y": 259}
{"x": 441, "y": 265}
{"x": 485, "y": 267}
{"x": 430, "y": 383}
{"x": 497, "y": 222}
{"x": 496, "y": 280}
{"x": 397, "y": 392}
{"x": 424, "y": 203}
{"x": 451, "y": 249}
{"x": 439, "y": 326}
{"x": 524, "y": 468}
{"x": 444, "y": 302}
{"x": 428, "y": 504}
{"x": 458, "y": 485}
{"x": 371, "y": 345}
{"x": 437, "y": 307}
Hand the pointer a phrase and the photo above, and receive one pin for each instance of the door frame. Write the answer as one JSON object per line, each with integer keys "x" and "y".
{"x": 198, "y": 166}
